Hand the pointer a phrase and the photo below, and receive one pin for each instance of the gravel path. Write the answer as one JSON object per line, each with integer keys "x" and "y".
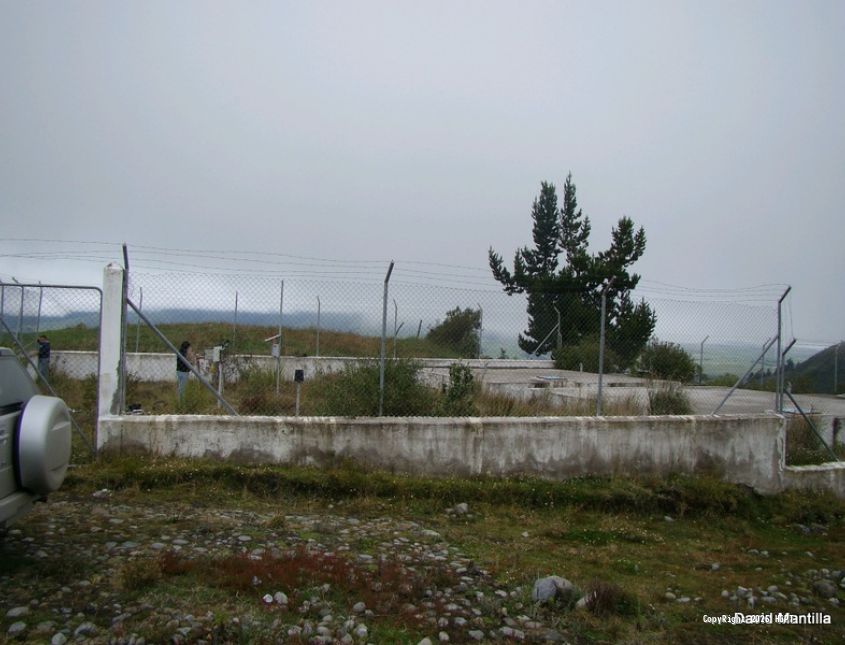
{"x": 100, "y": 569}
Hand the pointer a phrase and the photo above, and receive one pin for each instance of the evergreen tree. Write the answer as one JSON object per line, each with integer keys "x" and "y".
{"x": 459, "y": 331}
{"x": 561, "y": 277}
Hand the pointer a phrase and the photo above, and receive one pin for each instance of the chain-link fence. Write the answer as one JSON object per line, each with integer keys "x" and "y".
{"x": 448, "y": 350}
{"x": 55, "y": 331}
{"x": 312, "y": 347}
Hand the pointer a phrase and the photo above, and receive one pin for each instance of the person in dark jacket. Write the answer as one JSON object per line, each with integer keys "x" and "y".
{"x": 186, "y": 355}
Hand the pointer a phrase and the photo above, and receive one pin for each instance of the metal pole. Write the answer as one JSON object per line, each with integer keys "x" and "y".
{"x": 783, "y": 361}
{"x": 220, "y": 380}
{"x": 173, "y": 349}
{"x": 383, "y": 341}
{"x": 395, "y": 319}
{"x": 38, "y": 316}
{"x": 601, "y": 345}
{"x": 419, "y": 328}
{"x": 836, "y": 368}
{"x": 138, "y": 326}
{"x": 701, "y": 358}
{"x": 279, "y": 354}
{"x": 20, "y": 311}
{"x": 779, "y": 368}
{"x": 395, "y": 334}
{"x": 235, "y": 323}
{"x": 480, "y": 327}
{"x": 318, "y": 326}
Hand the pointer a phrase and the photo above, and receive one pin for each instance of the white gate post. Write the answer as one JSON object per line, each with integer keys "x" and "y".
{"x": 108, "y": 395}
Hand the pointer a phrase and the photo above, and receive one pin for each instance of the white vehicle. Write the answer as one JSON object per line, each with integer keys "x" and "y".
{"x": 35, "y": 436}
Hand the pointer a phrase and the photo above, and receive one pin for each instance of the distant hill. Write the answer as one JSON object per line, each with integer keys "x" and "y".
{"x": 816, "y": 373}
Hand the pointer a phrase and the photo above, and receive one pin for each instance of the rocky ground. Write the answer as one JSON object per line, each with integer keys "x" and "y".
{"x": 125, "y": 568}
{"x": 99, "y": 570}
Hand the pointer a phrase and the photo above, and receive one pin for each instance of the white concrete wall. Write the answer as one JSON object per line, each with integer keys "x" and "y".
{"x": 742, "y": 449}
{"x": 831, "y": 428}
{"x": 161, "y": 366}
{"x": 828, "y": 477}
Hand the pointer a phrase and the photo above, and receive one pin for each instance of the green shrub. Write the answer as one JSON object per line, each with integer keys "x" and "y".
{"x": 668, "y": 361}
{"x": 668, "y": 399}
{"x": 458, "y": 397}
{"x": 803, "y": 446}
{"x": 585, "y": 356}
{"x": 459, "y": 331}
{"x": 355, "y": 392}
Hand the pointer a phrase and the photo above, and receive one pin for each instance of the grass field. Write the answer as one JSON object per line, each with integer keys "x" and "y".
{"x": 691, "y": 538}
{"x": 247, "y": 340}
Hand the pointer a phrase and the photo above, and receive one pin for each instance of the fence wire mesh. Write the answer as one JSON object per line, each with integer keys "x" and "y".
{"x": 251, "y": 334}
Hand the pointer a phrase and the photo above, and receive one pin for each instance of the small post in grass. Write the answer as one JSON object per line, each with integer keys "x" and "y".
{"x": 298, "y": 377}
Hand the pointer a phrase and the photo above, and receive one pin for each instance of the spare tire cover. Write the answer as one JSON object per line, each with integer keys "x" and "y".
{"x": 44, "y": 444}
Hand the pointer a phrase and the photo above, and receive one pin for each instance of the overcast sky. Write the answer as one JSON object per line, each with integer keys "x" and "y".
{"x": 421, "y": 131}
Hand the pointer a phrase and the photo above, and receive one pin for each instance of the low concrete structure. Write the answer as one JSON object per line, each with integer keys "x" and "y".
{"x": 829, "y": 477}
{"x": 741, "y": 449}
{"x": 161, "y": 366}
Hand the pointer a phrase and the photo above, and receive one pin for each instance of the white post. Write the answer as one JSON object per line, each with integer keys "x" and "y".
{"x": 108, "y": 394}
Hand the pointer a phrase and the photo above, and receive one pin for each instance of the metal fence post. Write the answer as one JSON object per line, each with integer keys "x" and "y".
{"x": 20, "y": 312}
{"x": 279, "y": 339}
{"x": 383, "y": 342}
{"x": 318, "y": 326}
{"x": 601, "y": 345}
{"x": 701, "y": 359}
{"x": 38, "y": 316}
{"x": 395, "y": 334}
{"x": 395, "y": 328}
{"x": 138, "y": 326}
{"x": 779, "y": 368}
{"x": 235, "y": 323}
{"x": 783, "y": 363}
{"x": 480, "y": 327}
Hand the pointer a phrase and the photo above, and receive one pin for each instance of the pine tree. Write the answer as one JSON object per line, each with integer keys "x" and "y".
{"x": 561, "y": 278}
